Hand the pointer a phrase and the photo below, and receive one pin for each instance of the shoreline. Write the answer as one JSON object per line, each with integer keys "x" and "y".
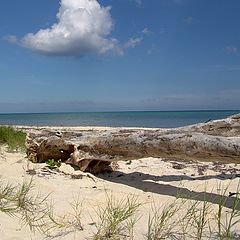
{"x": 84, "y": 128}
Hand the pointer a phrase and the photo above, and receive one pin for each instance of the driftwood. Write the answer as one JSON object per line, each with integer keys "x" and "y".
{"x": 98, "y": 149}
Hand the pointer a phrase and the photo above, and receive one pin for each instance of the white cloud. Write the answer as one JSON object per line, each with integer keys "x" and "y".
{"x": 83, "y": 26}
{"x": 133, "y": 42}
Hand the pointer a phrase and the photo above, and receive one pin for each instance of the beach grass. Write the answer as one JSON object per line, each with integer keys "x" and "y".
{"x": 181, "y": 218}
{"x": 36, "y": 210}
{"x": 19, "y": 200}
{"x": 195, "y": 219}
{"x": 12, "y": 137}
{"x": 228, "y": 220}
{"x": 117, "y": 219}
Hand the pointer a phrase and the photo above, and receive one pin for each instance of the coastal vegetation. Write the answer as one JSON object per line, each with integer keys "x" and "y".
{"x": 117, "y": 219}
{"x": 194, "y": 219}
{"x": 51, "y": 163}
{"x": 36, "y": 210}
{"x": 12, "y": 137}
{"x": 180, "y": 219}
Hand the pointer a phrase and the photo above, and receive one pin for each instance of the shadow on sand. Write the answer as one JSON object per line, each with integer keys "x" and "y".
{"x": 150, "y": 183}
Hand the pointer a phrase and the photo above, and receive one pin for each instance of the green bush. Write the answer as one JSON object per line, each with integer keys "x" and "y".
{"x": 14, "y": 138}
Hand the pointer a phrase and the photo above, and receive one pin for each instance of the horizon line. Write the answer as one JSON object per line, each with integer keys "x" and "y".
{"x": 125, "y": 111}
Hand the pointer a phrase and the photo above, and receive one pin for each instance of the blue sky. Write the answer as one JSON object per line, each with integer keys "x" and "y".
{"x": 106, "y": 55}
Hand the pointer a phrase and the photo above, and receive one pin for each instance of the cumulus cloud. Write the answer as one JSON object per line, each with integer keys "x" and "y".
{"x": 83, "y": 26}
{"x": 133, "y": 42}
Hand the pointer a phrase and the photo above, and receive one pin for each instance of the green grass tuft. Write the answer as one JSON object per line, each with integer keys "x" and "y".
{"x": 20, "y": 201}
{"x": 117, "y": 219}
{"x": 36, "y": 210}
{"x": 51, "y": 163}
{"x": 15, "y": 139}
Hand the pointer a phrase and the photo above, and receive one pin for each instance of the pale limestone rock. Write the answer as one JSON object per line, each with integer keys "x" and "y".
{"x": 98, "y": 150}
{"x": 66, "y": 169}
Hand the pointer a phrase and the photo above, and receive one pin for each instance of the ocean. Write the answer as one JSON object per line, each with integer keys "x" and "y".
{"x": 155, "y": 119}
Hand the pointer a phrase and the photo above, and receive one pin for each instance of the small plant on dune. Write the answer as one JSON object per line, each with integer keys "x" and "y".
{"x": 52, "y": 163}
{"x": 198, "y": 217}
{"x": 162, "y": 223}
{"x": 117, "y": 219}
{"x": 131, "y": 222}
{"x": 180, "y": 220}
{"x": 33, "y": 209}
{"x": 195, "y": 219}
{"x": 70, "y": 221}
{"x": 14, "y": 138}
{"x": 36, "y": 211}
{"x": 228, "y": 219}
{"x": 20, "y": 201}
{"x": 7, "y": 203}
{"x": 76, "y": 215}
{"x": 56, "y": 225}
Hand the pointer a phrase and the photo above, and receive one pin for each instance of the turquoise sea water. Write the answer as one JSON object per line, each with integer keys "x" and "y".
{"x": 162, "y": 119}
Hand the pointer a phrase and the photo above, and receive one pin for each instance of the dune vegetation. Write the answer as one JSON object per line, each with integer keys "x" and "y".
{"x": 12, "y": 137}
{"x": 180, "y": 219}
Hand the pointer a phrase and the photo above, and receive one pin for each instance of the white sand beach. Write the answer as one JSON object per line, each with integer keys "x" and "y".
{"x": 154, "y": 182}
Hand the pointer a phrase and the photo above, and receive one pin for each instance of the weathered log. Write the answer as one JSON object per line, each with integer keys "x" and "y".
{"x": 95, "y": 149}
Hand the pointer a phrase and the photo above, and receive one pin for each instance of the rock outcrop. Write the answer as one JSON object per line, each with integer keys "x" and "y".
{"x": 96, "y": 150}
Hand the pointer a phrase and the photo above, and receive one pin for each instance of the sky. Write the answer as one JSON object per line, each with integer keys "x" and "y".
{"x": 119, "y": 55}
